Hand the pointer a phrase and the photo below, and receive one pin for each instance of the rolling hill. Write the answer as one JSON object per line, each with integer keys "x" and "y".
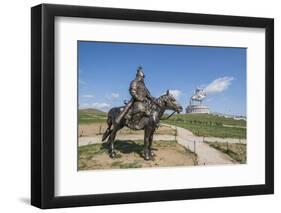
{"x": 208, "y": 125}
{"x": 91, "y": 115}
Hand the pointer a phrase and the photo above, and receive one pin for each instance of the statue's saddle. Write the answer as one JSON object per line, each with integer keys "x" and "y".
{"x": 135, "y": 120}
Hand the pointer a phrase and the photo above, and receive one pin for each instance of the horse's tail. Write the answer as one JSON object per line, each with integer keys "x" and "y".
{"x": 109, "y": 124}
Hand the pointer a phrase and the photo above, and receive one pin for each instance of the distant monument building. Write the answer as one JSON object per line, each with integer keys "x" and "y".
{"x": 195, "y": 102}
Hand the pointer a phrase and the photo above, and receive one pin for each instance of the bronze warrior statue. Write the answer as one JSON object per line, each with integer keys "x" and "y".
{"x": 140, "y": 93}
{"x": 143, "y": 111}
{"x": 140, "y": 99}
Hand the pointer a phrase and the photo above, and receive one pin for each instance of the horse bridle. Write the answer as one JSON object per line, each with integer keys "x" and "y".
{"x": 174, "y": 111}
{"x": 168, "y": 116}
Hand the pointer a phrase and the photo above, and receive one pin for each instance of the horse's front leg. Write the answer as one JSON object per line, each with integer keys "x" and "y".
{"x": 146, "y": 154}
{"x": 111, "y": 139}
{"x": 151, "y": 153}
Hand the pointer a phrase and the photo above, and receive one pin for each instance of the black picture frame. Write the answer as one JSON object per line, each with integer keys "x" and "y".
{"x": 43, "y": 102}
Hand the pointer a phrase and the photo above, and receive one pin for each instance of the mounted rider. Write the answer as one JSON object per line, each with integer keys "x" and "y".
{"x": 141, "y": 98}
{"x": 140, "y": 94}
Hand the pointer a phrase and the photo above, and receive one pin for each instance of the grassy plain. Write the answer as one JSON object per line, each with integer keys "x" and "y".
{"x": 168, "y": 154}
{"x": 236, "y": 151}
{"x": 210, "y": 125}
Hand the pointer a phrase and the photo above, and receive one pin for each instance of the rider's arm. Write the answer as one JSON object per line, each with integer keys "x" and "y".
{"x": 148, "y": 95}
{"x": 133, "y": 91}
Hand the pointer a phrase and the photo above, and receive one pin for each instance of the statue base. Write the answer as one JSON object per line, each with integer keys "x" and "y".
{"x": 197, "y": 109}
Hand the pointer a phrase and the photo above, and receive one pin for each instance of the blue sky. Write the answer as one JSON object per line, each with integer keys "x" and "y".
{"x": 106, "y": 70}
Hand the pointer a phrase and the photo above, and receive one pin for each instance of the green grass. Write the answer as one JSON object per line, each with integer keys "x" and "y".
{"x": 135, "y": 164}
{"x": 86, "y": 152}
{"x": 123, "y": 165}
{"x": 199, "y": 124}
{"x": 87, "y": 116}
{"x": 236, "y": 151}
{"x": 93, "y": 156}
{"x": 209, "y": 125}
{"x": 208, "y": 119}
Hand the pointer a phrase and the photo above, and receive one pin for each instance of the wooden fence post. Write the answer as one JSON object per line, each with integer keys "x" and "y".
{"x": 194, "y": 146}
{"x": 227, "y": 146}
{"x": 100, "y": 130}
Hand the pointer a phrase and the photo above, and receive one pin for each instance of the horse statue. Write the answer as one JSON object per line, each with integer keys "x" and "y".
{"x": 147, "y": 123}
{"x": 199, "y": 95}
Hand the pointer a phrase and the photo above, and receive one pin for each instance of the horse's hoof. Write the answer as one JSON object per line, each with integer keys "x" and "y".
{"x": 152, "y": 154}
{"x": 146, "y": 157}
{"x": 112, "y": 154}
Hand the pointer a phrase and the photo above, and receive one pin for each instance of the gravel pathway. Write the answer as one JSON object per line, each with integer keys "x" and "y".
{"x": 97, "y": 139}
{"x": 206, "y": 154}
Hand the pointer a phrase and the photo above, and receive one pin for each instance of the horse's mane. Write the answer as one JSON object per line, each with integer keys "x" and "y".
{"x": 161, "y": 98}
{"x": 159, "y": 101}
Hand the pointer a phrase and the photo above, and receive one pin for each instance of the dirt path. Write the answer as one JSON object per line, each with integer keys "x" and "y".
{"x": 206, "y": 154}
{"x": 168, "y": 154}
{"x": 97, "y": 139}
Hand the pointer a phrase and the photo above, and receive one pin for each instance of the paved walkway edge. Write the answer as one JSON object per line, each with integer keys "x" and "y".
{"x": 206, "y": 155}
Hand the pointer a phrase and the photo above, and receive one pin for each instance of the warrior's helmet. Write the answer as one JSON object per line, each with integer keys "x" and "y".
{"x": 140, "y": 72}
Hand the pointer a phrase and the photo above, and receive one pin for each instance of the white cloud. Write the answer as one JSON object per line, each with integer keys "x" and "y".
{"x": 88, "y": 96}
{"x": 209, "y": 99}
{"x": 82, "y": 82}
{"x": 176, "y": 93}
{"x": 218, "y": 85}
{"x": 113, "y": 96}
{"x": 83, "y": 106}
{"x": 101, "y": 106}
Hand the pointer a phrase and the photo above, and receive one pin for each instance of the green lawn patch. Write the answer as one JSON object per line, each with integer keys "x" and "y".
{"x": 168, "y": 153}
{"x": 209, "y": 125}
{"x": 236, "y": 151}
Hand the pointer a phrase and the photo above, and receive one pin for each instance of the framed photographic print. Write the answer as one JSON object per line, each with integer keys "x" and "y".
{"x": 140, "y": 106}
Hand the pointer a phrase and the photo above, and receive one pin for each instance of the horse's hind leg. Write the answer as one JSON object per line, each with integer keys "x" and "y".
{"x": 151, "y": 153}
{"x": 108, "y": 130}
{"x": 111, "y": 139}
{"x": 146, "y": 154}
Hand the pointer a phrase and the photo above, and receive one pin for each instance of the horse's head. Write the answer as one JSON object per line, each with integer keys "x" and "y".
{"x": 171, "y": 103}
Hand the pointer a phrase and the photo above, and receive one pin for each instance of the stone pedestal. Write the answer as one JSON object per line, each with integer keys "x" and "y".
{"x": 197, "y": 109}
